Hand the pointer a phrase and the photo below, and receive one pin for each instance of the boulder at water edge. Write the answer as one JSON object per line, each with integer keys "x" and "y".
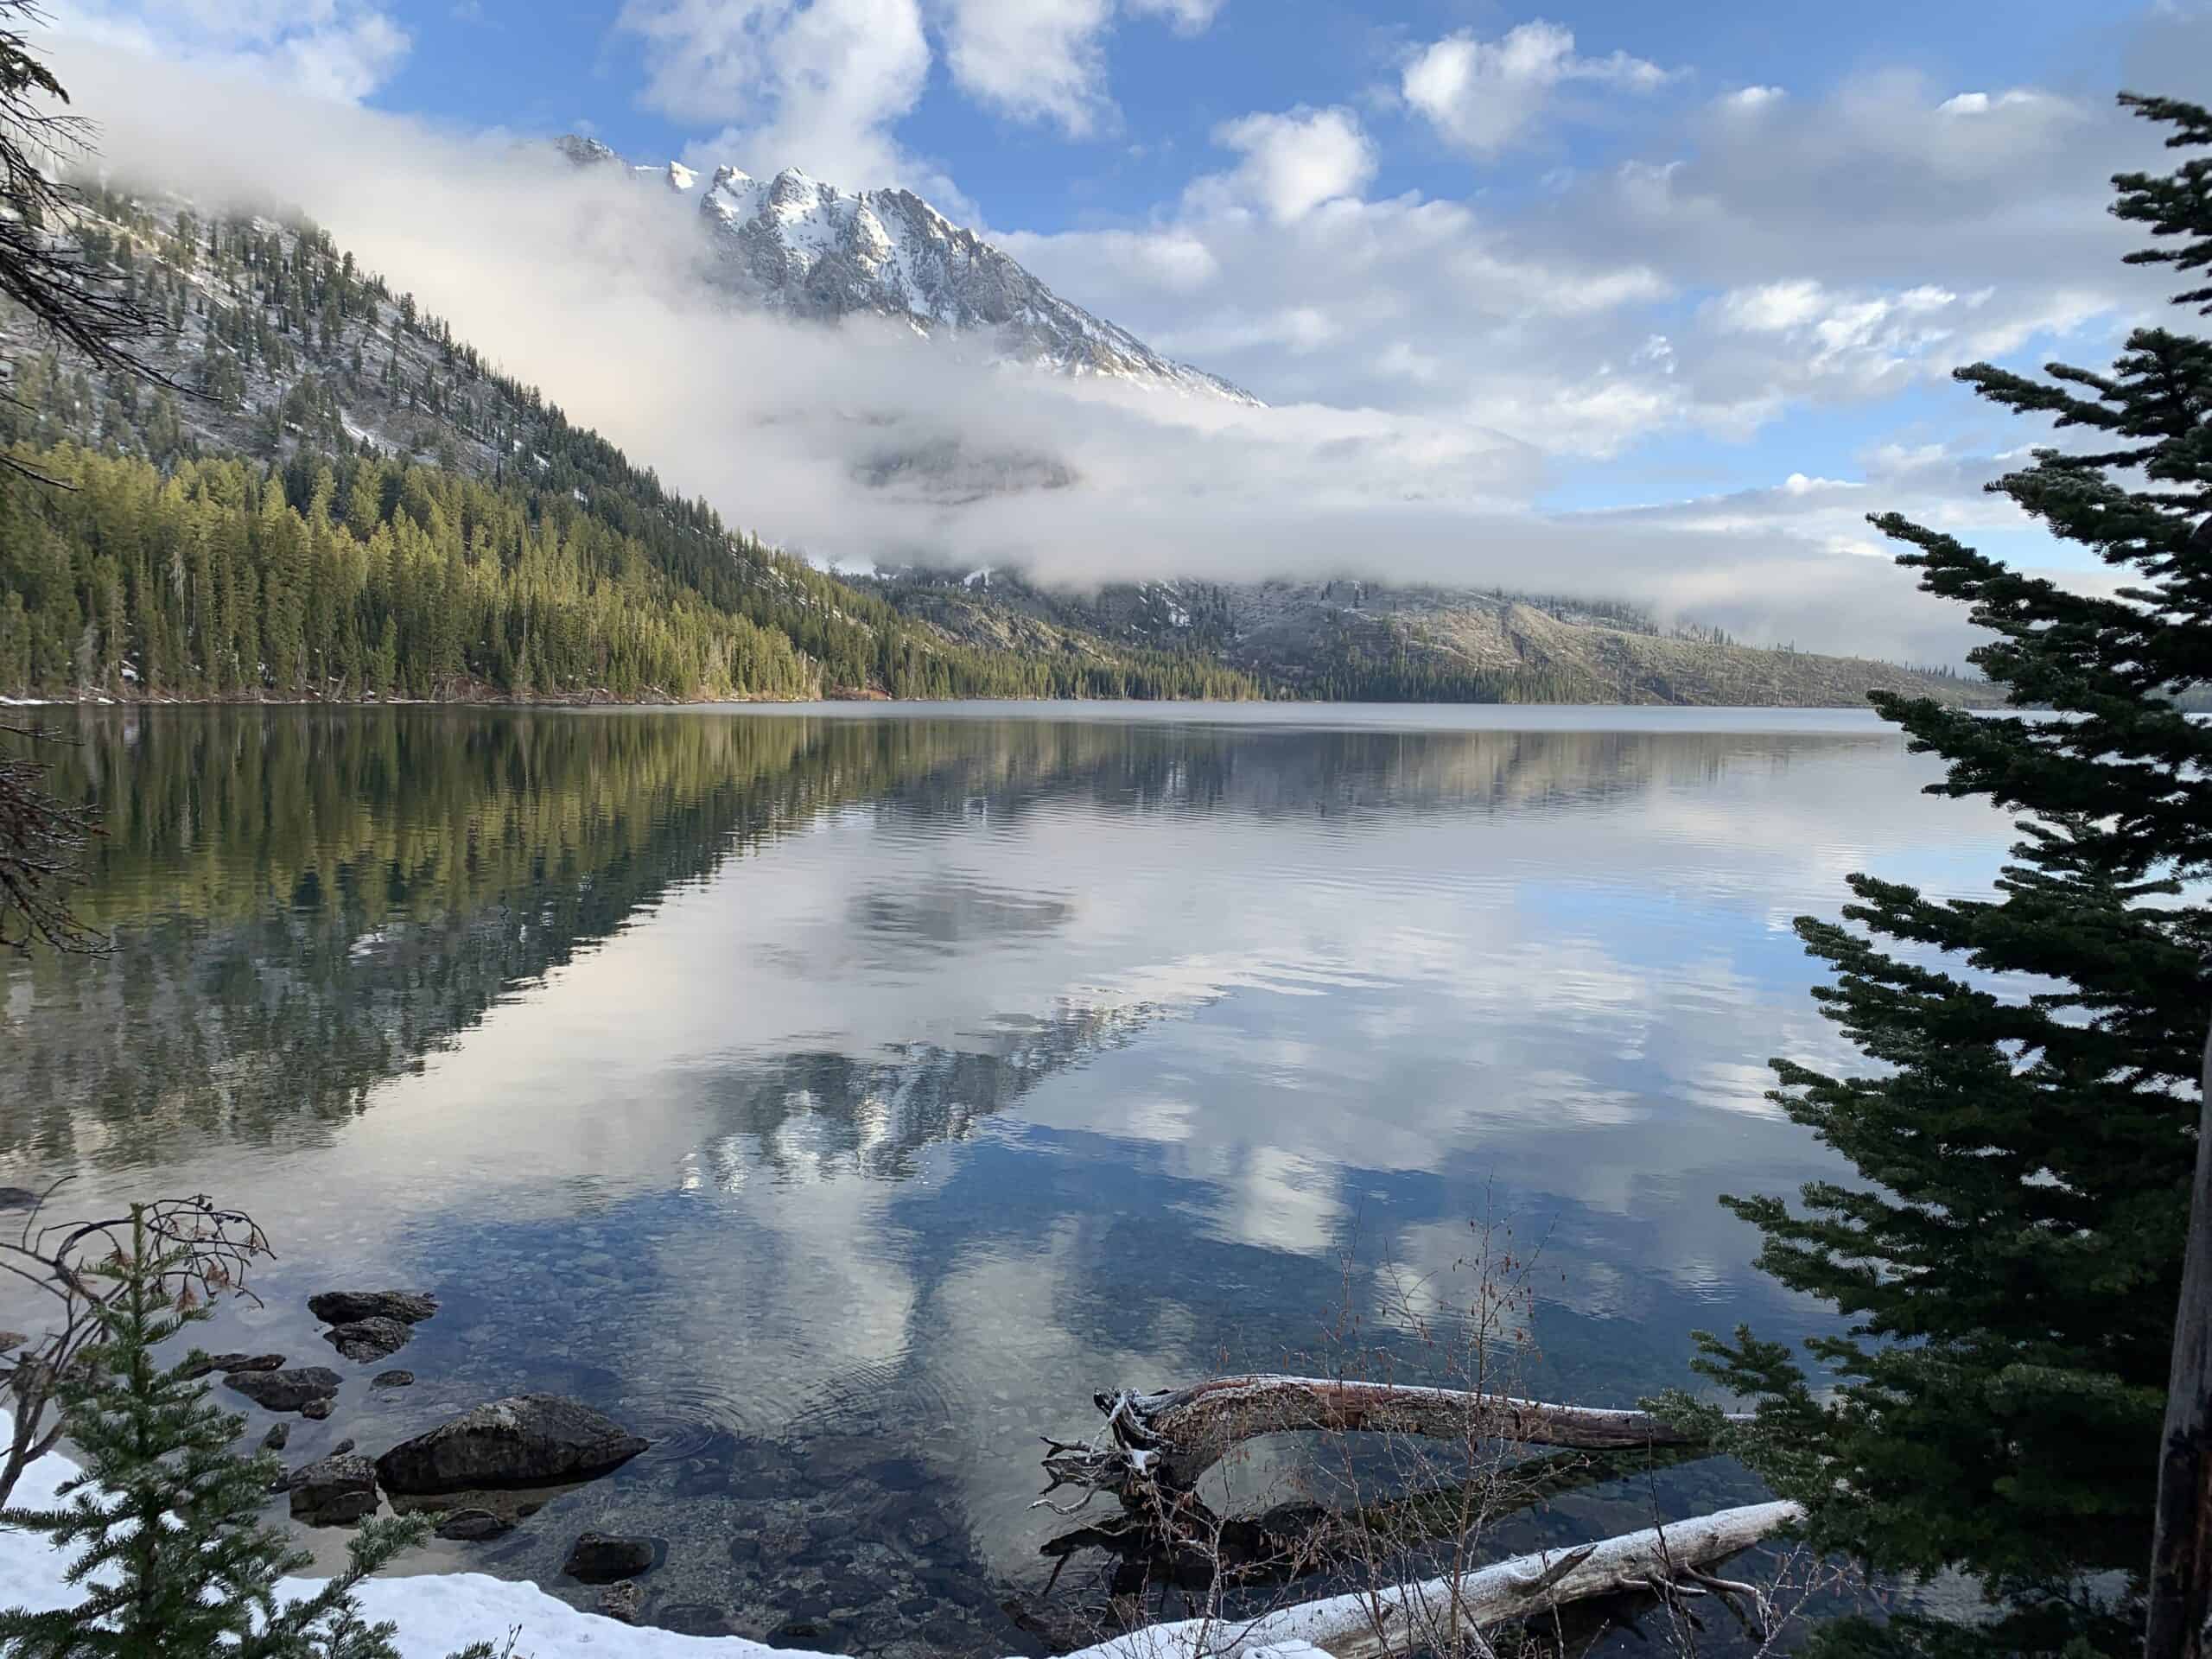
{"x": 530, "y": 1440}
{"x": 335, "y": 1491}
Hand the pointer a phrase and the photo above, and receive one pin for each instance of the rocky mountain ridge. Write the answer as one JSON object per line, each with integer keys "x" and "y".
{"x": 797, "y": 246}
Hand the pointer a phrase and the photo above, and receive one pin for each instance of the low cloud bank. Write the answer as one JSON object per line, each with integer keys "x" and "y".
{"x": 865, "y": 445}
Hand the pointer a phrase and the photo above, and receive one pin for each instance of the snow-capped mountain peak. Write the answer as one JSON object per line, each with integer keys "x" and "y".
{"x": 795, "y": 245}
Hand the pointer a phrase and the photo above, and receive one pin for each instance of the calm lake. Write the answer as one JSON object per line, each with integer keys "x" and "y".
{"x": 841, "y": 1097}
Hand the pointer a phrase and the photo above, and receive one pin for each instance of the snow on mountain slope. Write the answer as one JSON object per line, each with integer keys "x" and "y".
{"x": 794, "y": 245}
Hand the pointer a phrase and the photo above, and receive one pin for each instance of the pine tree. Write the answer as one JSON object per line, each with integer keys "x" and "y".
{"x": 2011, "y": 1259}
{"x": 164, "y": 1520}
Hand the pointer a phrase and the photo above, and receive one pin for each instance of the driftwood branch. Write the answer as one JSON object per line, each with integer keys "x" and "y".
{"x": 1168, "y": 1439}
{"x": 1441, "y": 1612}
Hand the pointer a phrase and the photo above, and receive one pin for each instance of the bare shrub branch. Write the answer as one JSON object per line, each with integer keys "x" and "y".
{"x": 210, "y": 1249}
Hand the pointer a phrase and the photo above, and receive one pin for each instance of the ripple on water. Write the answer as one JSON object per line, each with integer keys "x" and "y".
{"x": 695, "y": 1418}
{"x": 899, "y": 1394}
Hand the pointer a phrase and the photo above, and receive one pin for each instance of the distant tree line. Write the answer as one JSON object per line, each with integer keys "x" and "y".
{"x": 354, "y": 576}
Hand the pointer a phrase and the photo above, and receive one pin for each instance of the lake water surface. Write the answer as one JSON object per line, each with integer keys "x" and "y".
{"x": 841, "y": 1097}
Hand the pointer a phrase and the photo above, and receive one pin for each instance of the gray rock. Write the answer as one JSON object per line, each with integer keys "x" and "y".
{"x": 375, "y": 1338}
{"x": 275, "y": 1439}
{"x": 469, "y": 1525}
{"x": 318, "y": 1409}
{"x": 392, "y": 1380}
{"x": 346, "y": 1307}
{"x": 620, "y": 1601}
{"x": 335, "y": 1491}
{"x": 601, "y": 1557}
{"x": 529, "y": 1440}
{"x": 292, "y": 1390}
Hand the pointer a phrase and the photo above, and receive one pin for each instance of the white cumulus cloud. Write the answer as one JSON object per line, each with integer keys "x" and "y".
{"x": 1484, "y": 96}
{"x": 1296, "y": 160}
{"x": 818, "y": 85}
{"x": 1033, "y": 60}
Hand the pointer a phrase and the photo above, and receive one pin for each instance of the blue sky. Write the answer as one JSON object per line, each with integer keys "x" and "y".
{"x": 1684, "y": 280}
{"x": 561, "y": 64}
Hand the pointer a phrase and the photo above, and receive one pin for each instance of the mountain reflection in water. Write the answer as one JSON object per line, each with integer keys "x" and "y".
{"x": 842, "y": 1098}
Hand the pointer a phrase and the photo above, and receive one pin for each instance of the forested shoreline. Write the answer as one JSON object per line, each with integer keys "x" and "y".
{"x": 352, "y": 578}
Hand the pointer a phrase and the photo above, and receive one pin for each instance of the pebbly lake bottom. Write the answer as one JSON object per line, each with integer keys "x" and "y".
{"x": 841, "y": 1099}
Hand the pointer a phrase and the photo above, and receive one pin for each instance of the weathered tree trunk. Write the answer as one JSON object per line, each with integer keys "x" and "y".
{"x": 1433, "y": 1614}
{"x": 2180, "y": 1622}
{"x": 1172, "y": 1437}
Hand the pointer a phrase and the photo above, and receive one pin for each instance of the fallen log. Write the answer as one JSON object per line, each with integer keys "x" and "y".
{"x": 1450, "y": 1614}
{"x": 1170, "y": 1438}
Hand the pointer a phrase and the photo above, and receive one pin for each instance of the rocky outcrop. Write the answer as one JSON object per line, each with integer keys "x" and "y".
{"x": 394, "y": 1379}
{"x": 530, "y": 1440}
{"x": 286, "y": 1391}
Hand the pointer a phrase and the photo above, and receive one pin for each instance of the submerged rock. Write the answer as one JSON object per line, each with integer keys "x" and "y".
{"x": 292, "y": 1390}
{"x": 275, "y": 1439}
{"x": 376, "y": 1338}
{"x": 318, "y": 1409}
{"x": 527, "y": 1440}
{"x": 470, "y": 1525}
{"x": 229, "y": 1363}
{"x": 620, "y": 1601}
{"x": 347, "y": 1306}
{"x": 601, "y": 1558}
{"x": 392, "y": 1380}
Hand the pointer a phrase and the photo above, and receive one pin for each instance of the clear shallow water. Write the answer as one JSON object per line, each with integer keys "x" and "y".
{"x": 841, "y": 1097}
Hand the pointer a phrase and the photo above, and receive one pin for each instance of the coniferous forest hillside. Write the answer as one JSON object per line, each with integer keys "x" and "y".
{"x": 337, "y": 499}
